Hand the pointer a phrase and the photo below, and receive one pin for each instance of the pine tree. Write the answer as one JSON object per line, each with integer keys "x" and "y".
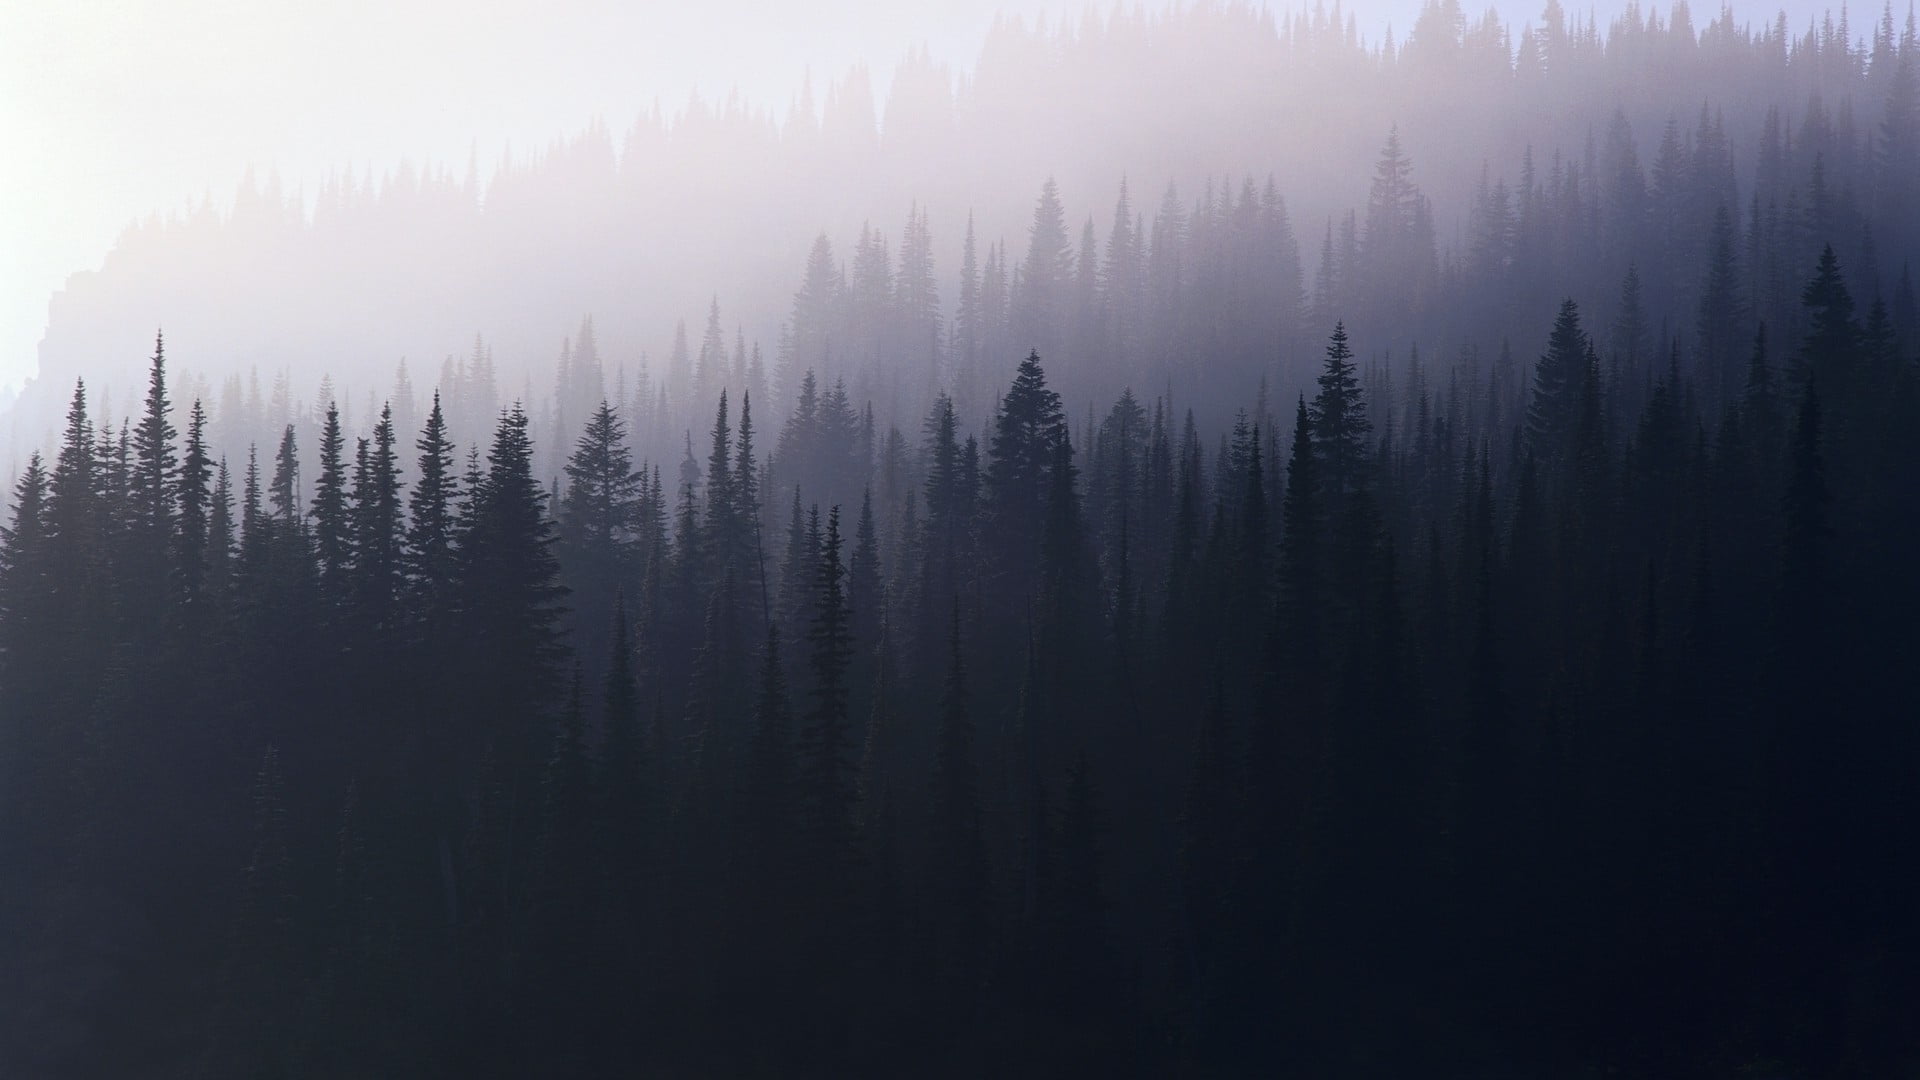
{"x": 1340, "y": 424}
{"x": 599, "y": 522}
{"x": 1390, "y": 239}
{"x": 1554, "y": 408}
{"x": 253, "y": 514}
{"x": 27, "y": 611}
{"x": 378, "y": 535}
{"x": 283, "y": 489}
{"x": 1026, "y": 430}
{"x": 152, "y": 482}
{"x": 917, "y": 297}
{"x": 968, "y": 317}
{"x": 729, "y": 529}
{"x": 72, "y": 490}
{"x": 747, "y": 509}
{"x": 599, "y": 509}
{"x": 193, "y": 497}
{"x": 220, "y": 537}
{"x": 332, "y": 533}
{"x": 508, "y": 594}
{"x": 430, "y": 556}
{"x": 1828, "y": 355}
{"x": 1041, "y": 305}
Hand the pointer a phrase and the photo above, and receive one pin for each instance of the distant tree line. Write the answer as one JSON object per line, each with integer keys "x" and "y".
{"x": 1211, "y": 241}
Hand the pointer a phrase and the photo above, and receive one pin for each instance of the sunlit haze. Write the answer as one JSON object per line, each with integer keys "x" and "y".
{"x": 1198, "y": 538}
{"x": 114, "y": 110}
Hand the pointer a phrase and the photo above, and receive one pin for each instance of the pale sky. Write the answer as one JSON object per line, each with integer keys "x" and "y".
{"x": 114, "y": 109}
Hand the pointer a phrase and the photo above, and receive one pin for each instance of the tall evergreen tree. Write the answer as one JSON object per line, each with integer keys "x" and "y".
{"x": 1025, "y": 433}
{"x": 193, "y": 496}
{"x": 378, "y": 534}
{"x": 508, "y": 592}
{"x": 1553, "y": 409}
{"x": 332, "y": 532}
{"x": 430, "y": 555}
{"x": 1340, "y": 423}
{"x": 152, "y": 482}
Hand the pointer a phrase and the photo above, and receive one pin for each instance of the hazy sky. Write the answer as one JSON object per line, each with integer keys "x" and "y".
{"x": 113, "y": 109}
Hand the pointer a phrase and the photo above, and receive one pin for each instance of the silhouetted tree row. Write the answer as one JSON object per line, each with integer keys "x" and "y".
{"x": 1485, "y": 728}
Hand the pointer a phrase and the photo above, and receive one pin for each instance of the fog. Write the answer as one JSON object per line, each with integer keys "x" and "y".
{"x": 326, "y": 191}
{"x": 118, "y": 109}
{"x": 1206, "y": 541}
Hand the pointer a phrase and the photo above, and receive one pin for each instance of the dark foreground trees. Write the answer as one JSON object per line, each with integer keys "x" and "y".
{"x": 1415, "y": 732}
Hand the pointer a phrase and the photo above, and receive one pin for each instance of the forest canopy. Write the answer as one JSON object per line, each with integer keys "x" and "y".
{"x": 1464, "y": 632}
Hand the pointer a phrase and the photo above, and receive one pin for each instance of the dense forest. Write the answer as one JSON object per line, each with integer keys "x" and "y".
{"x": 1203, "y": 646}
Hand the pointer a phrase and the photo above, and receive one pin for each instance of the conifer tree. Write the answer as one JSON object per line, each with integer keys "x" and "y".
{"x": 430, "y": 558}
{"x": 599, "y": 508}
{"x": 747, "y": 509}
{"x": 193, "y": 497}
{"x": 252, "y": 513}
{"x": 1553, "y": 409}
{"x": 509, "y": 596}
{"x": 378, "y": 530}
{"x": 1828, "y": 354}
{"x": 1340, "y": 424}
{"x": 72, "y": 491}
{"x": 724, "y": 535}
{"x": 152, "y": 481}
{"x": 1025, "y": 433}
{"x": 27, "y": 611}
{"x": 220, "y": 537}
{"x": 283, "y": 488}
{"x": 1041, "y": 306}
{"x": 332, "y": 532}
